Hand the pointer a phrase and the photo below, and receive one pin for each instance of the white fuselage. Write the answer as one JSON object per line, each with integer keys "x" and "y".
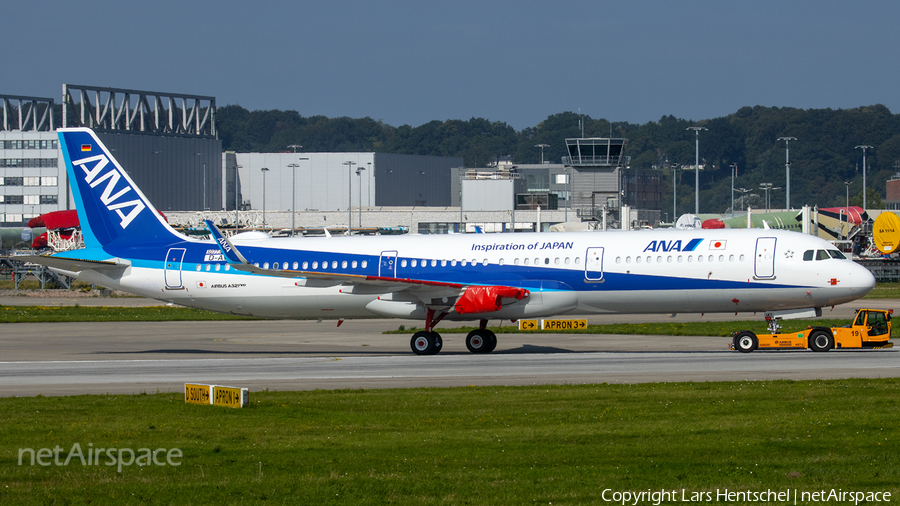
{"x": 577, "y": 273}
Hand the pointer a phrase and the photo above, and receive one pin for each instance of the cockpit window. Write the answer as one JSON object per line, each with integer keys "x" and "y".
{"x": 808, "y": 255}
{"x": 822, "y": 255}
{"x": 837, "y": 254}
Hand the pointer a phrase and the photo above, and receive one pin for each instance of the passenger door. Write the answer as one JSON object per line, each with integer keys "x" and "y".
{"x": 764, "y": 266}
{"x": 174, "y": 259}
{"x": 387, "y": 266}
{"x": 593, "y": 265}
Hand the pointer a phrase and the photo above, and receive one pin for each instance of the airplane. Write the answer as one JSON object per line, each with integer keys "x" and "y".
{"x": 459, "y": 277}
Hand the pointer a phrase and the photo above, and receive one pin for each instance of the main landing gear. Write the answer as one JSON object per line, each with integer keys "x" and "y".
{"x": 481, "y": 340}
{"x": 429, "y": 342}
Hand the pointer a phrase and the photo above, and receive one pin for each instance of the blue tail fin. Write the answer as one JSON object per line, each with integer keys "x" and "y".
{"x": 111, "y": 208}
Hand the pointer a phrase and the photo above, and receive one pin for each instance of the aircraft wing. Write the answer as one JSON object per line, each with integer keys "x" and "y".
{"x": 73, "y": 264}
{"x": 469, "y": 299}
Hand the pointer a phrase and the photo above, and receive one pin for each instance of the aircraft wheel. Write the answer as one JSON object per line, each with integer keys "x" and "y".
{"x": 481, "y": 341}
{"x": 492, "y": 342}
{"x": 746, "y": 341}
{"x": 821, "y": 341}
{"x": 426, "y": 343}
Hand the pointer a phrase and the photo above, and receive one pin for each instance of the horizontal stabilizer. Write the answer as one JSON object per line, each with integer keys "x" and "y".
{"x": 73, "y": 264}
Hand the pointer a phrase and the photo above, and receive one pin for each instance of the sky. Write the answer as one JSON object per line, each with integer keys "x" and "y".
{"x": 517, "y": 62}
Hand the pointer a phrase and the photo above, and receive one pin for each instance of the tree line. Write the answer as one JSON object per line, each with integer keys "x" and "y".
{"x": 823, "y": 157}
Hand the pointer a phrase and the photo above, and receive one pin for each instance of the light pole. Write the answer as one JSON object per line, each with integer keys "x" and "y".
{"x": 674, "y": 192}
{"x": 787, "y": 170}
{"x": 295, "y": 147}
{"x": 847, "y": 206}
{"x": 767, "y": 187}
{"x": 733, "y": 173}
{"x": 864, "y": 148}
{"x": 264, "y": 170}
{"x": 293, "y": 167}
{"x": 359, "y": 175}
{"x": 542, "y": 146}
{"x": 349, "y": 165}
{"x": 743, "y": 192}
{"x": 847, "y": 184}
{"x": 369, "y": 185}
{"x": 236, "y": 197}
{"x": 697, "y": 167}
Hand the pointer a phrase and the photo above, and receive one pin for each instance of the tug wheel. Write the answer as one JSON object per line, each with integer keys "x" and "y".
{"x": 746, "y": 341}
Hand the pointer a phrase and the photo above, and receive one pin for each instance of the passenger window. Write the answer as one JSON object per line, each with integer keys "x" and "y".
{"x": 365, "y": 263}
{"x": 808, "y": 255}
{"x": 403, "y": 263}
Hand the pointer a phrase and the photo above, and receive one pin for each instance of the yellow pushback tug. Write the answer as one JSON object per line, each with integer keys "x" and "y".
{"x": 871, "y": 328}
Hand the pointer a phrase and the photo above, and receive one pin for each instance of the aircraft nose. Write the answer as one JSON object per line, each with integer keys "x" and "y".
{"x": 862, "y": 279}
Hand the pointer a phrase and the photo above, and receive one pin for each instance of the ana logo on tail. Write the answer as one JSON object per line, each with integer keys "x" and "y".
{"x": 110, "y": 200}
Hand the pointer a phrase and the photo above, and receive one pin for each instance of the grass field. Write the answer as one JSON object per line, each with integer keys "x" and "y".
{"x": 476, "y": 445}
{"x": 34, "y": 314}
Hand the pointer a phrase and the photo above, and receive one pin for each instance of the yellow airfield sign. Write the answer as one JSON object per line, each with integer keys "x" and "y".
{"x": 563, "y": 324}
{"x": 216, "y": 395}
{"x": 197, "y": 394}
{"x": 231, "y": 397}
{"x": 528, "y": 324}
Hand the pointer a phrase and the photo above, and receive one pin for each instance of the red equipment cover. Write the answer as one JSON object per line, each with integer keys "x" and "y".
{"x": 39, "y": 241}
{"x": 55, "y": 220}
{"x": 484, "y": 299}
{"x": 713, "y": 223}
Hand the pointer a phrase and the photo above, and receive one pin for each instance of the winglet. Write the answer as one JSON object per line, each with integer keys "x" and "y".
{"x": 231, "y": 253}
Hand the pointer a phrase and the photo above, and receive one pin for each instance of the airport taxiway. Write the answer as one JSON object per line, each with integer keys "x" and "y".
{"x": 105, "y": 357}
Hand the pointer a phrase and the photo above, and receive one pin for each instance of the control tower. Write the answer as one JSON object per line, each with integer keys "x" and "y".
{"x": 597, "y": 164}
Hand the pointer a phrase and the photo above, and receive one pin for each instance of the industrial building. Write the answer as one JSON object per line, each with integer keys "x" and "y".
{"x": 168, "y": 143}
{"x": 334, "y": 181}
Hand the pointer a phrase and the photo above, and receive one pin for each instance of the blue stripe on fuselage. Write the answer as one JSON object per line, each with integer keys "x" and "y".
{"x": 521, "y": 276}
